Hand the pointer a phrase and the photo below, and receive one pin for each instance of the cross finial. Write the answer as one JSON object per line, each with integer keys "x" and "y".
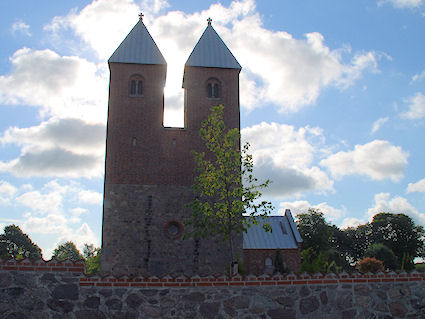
{"x": 209, "y": 21}
{"x": 141, "y": 15}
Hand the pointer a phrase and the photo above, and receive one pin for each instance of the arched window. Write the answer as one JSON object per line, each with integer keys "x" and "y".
{"x": 136, "y": 85}
{"x": 213, "y": 89}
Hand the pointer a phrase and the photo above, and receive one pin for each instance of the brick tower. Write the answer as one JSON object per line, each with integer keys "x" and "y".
{"x": 149, "y": 168}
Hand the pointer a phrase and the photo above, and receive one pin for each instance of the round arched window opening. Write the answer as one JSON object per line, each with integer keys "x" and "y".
{"x": 213, "y": 89}
{"x": 136, "y": 86}
{"x": 173, "y": 229}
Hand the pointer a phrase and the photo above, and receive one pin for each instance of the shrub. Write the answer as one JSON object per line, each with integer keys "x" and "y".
{"x": 384, "y": 253}
{"x": 420, "y": 267}
{"x": 370, "y": 264}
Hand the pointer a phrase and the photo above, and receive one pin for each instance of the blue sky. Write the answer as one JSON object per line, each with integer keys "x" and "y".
{"x": 332, "y": 101}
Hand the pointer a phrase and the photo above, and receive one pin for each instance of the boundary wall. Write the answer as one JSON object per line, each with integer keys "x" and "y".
{"x": 52, "y": 289}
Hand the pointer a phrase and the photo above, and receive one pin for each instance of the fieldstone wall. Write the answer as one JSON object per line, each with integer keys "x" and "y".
{"x": 61, "y": 291}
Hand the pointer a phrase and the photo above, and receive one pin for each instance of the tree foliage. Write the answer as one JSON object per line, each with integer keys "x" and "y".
{"x": 399, "y": 233}
{"x": 383, "y": 253}
{"x": 92, "y": 257}
{"x": 16, "y": 244}
{"x": 391, "y": 238}
{"x": 68, "y": 251}
{"x": 225, "y": 187}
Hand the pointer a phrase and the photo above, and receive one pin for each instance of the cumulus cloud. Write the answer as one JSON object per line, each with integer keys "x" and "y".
{"x": 56, "y": 162}
{"x": 90, "y": 197}
{"x": 416, "y": 105}
{"x": 286, "y": 155}
{"x": 290, "y": 72}
{"x": 53, "y": 211}
{"x": 57, "y": 147}
{"x": 378, "y": 124}
{"x": 332, "y": 214}
{"x": 397, "y": 205}
{"x": 402, "y": 3}
{"x": 62, "y": 86}
{"x": 377, "y": 160}
{"x": 416, "y": 187}
{"x": 7, "y": 191}
{"x": 21, "y": 27}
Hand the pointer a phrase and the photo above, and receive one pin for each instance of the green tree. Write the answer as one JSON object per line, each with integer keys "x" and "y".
{"x": 383, "y": 253}
{"x": 313, "y": 261}
{"x": 314, "y": 230}
{"x": 16, "y": 244}
{"x": 92, "y": 257}
{"x": 400, "y": 234}
{"x": 322, "y": 242}
{"x": 358, "y": 239}
{"x": 68, "y": 251}
{"x": 224, "y": 187}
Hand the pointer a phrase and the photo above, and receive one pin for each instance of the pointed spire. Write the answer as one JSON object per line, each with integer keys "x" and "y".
{"x": 211, "y": 51}
{"x": 138, "y": 47}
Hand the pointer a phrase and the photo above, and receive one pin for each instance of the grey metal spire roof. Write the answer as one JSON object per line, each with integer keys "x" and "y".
{"x": 138, "y": 47}
{"x": 284, "y": 234}
{"x": 211, "y": 51}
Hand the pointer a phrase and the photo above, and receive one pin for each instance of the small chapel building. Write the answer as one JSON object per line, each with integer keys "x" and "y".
{"x": 149, "y": 168}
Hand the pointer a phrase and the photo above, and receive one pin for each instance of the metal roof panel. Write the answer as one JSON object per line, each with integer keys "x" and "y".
{"x": 211, "y": 51}
{"x": 138, "y": 47}
{"x": 283, "y": 235}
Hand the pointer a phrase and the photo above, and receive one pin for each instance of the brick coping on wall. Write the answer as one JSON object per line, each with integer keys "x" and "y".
{"x": 78, "y": 269}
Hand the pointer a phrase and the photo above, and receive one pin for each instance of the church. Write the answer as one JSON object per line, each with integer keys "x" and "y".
{"x": 149, "y": 168}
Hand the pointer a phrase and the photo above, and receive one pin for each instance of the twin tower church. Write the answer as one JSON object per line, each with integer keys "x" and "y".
{"x": 149, "y": 168}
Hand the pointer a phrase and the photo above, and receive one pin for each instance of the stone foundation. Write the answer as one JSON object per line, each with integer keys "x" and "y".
{"x": 143, "y": 234}
{"x": 61, "y": 290}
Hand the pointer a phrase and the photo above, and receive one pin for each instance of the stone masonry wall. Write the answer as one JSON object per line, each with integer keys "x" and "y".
{"x": 62, "y": 290}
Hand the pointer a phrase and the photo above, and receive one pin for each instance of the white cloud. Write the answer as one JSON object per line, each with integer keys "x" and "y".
{"x": 416, "y": 104}
{"x": 402, "y": 3}
{"x": 397, "y": 205}
{"x": 286, "y": 71}
{"x": 377, "y": 160}
{"x": 55, "y": 162}
{"x": 54, "y": 212}
{"x": 71, "y": 134}
{"x": 21, "y": 27}
{"x": 45, "y": 201}
{"x": 332, "y": 214}
{"x": 378, "y": 124}
{"x": 416, "y": 187}
{"x": 102, "y": 24}
{"x": 58, "y": 226}
{"x": 351, "y": 222}
{"x": 62, "y": 86}
{"x": 7, "y": 191}
{"x": 57, "y": 147}
{"x": 90, "y": 197}
{"x": 419, "y": 76}
{"x": 285, "y": 155}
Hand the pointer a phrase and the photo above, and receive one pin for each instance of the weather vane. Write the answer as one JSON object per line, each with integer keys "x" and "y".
{"x": 141, "y": 15}
{"x": 209, "y": 21}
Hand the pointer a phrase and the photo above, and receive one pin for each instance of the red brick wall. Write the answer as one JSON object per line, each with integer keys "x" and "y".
{"x": 254, "y": 259}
